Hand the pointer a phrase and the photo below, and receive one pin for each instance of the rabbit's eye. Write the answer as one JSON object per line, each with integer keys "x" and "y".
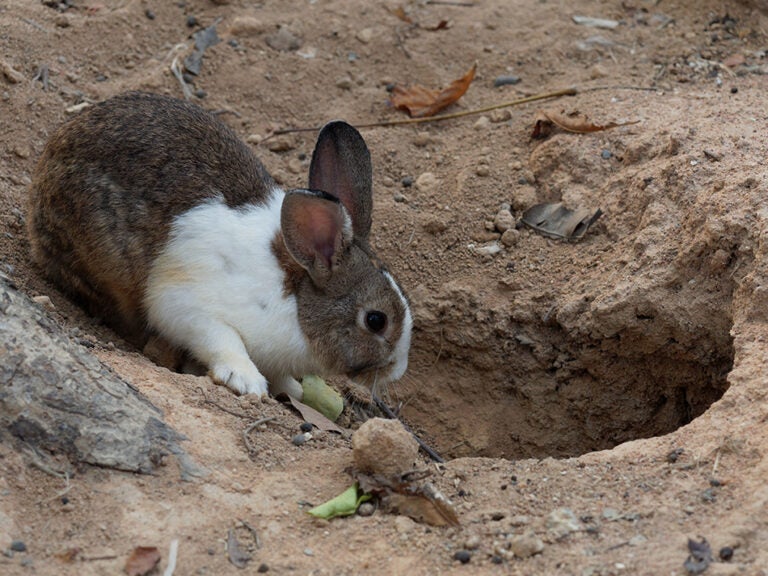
{"x": 375, "y": 321}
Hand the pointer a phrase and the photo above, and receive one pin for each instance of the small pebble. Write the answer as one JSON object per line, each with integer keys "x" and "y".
{"x": 504, "y": 221}
{"x": 284, "y": 40}
{"x": 201, "y": 93}
{"x": 500, "y": 116}
{"x": 522, "y": 180}
{"x": 482, "y": 170}
{"x": 726, "y": 553}
{"x": 496, "y": 559}
{"x": 344, "y": 83}
{"x": 149, "y": 14}
{"x": 300, "y": 439}
{"x": 482, "y": 123}
{"x": 365, "y": 35}
{"x": 427, "y": 183}
{"x": 308, "y": 552}
{"x": 562, "y": 522}
{"x": 734, "y": 90}
{"x": 505, "y": 81}
{"x": 462, "y": 556}
{"x": 407, "y": 181}
{"x": 18, "y": 546}
{"x": 606, "y": 154}
{"x": 306, "y": 427}
{"x": 472, "y": 543}
{"x": 192, "y": 21}
{"x": 262, "y": 568}
{"x": 234, "y": 43}
{"x": 366, "y": 509}
{"x": 526, "y": 545}
{"x": 400, "y": 198}
{"x": 510, "y": 238}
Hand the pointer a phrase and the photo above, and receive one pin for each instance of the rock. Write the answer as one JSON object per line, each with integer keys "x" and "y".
{"x": 488, "y": 249}
{"x": 44, "y": 301}
{"x": 9, "y": 73}
{"x": 435, "y": 226}
{"x": 504, "y": 221}
{"x": 510, "y": 237}
{"x": 482, "y": 170}
{"x": 281, "y": 144}
{"x": 18, "y": 546}
{"x": 498, "y": 116}
{"x": 345, "y": 83}
{"x": 246, "y": 26}
{"x": 365, "y": 35}
{"x": 284, "y": 40}
{"x": 384, "y": 447}
{"x": 427, "y": 183}
{"x": 22, "y": 150}
{"x": 301, "y": 439}
{"x": 505, "y": 81}
{"x": 462, "y": 556}
{"x": 366, "y": 509}
{"x": 526, "y": 545}
{"x": 472, "y": 542}
{"x": 254, "y": 138}
{"x": 482, "y": 123}
{"x": 422, "y": 139}
{"x": 403, "y": 524}
{"x": 562, "y": 522}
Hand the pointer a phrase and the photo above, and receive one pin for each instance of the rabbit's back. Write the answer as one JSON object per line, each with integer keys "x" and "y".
{"x": 109, "y": 184}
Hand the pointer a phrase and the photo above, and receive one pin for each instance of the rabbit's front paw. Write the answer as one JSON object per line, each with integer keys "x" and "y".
{"x": 240, "y": 375}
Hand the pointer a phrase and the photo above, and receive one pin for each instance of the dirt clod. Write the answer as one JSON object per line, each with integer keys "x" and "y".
{"x": 382, "y": 446}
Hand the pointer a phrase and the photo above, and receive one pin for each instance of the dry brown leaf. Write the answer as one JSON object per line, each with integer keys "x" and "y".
{"x": 399, "y": 12}
{"x": 69, "y": 555}
{"x": 314, "y": 417}
{"x": 422, "y": 102}
{"x": 442, "y": 25}
{"x": 406, "y": 495}
{"x": 142, "y": 561}
{"x": 571, "y": 122}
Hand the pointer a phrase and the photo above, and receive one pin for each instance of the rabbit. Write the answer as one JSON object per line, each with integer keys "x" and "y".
{"x": 152, "y": 214}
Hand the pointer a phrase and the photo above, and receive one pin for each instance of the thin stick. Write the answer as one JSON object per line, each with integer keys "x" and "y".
{"x": 406, "y": 121}
{"x": 388, "y": 411}
{"x": 172, "y": 553}
{"x": 251, "y": 448}
{"x": 451, "y": 3}
{"x": 219, "y": 406}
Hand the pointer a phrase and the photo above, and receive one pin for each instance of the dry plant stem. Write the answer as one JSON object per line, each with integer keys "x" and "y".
{"x": 406, "y": 121}
{"x": 390, "y": 414}
{"x": 250, "y": 447}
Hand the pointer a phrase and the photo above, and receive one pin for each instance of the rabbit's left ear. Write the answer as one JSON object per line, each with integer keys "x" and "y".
{"x": 316, "y": 227}
{"x": 341, "y": 166}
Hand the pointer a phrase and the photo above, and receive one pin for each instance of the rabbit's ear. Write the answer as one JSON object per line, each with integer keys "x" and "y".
{"x": 316, "y": 228}
{"x": 341, "y": 166}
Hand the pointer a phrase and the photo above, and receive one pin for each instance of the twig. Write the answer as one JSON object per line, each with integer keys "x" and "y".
{"x": 388, "y": 411}
{"x": 451, "y": 3}
{"x": 254, "y": 534}
{"x": 405, "y": 121}
{"x": 715, "y": 465}
{"x": 251, "y": 448}
{"x": 172, "y": 552}
{"x": 176, "y": 70}
{"x": 219, "y": 406}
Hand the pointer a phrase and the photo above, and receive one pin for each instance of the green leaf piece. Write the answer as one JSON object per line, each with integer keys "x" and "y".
{"x": 345, "y": 504}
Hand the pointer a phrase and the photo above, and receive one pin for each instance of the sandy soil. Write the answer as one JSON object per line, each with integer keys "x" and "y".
{"x": 605, "y": 399}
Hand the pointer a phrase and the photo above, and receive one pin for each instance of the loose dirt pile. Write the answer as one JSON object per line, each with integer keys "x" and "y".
{"x": 598, "y": 402}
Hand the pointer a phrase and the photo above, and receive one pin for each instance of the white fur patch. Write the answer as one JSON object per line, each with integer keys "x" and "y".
{"x": 399, "y": 355}
{"x": 216, "y": 290}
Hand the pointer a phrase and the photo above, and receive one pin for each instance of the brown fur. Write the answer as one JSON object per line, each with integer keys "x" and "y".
{"x": 108, "y": 185}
